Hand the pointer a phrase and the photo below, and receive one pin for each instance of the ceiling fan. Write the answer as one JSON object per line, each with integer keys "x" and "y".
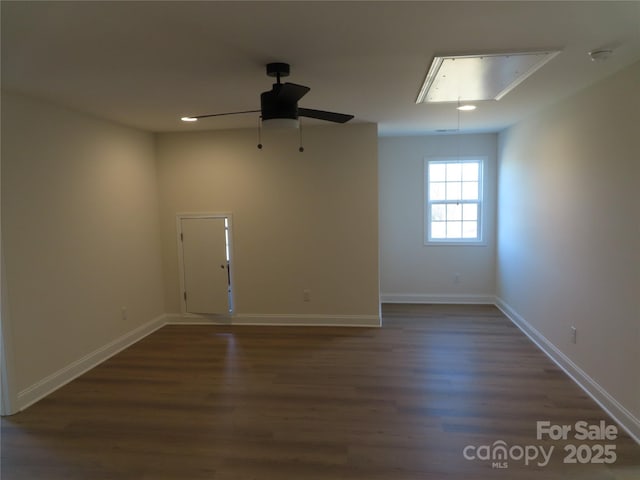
{"x": 280, "y": 104}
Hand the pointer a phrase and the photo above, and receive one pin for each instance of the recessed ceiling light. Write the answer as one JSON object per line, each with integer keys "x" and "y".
{"x": 469, "y": 78}
{"x": 189, "y": 119}
{"x": 466, "y": 108}
{"x": 600, "y": 55}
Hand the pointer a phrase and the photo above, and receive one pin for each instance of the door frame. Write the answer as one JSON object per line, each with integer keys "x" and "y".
{"x": 231, "y": 271}
{"x": 8, "y": 395}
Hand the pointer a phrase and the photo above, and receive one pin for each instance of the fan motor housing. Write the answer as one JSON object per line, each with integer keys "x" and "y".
{"x": 273, "y": 106}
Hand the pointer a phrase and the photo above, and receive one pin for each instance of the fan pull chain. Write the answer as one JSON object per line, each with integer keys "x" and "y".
{"x": 260, "y": 132}
{"x": 301, "y": 149}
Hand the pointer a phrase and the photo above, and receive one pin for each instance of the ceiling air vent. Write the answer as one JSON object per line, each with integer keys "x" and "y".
{"x": 479, "y": 77}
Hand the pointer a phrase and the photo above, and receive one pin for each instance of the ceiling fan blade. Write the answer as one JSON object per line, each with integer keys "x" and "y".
{"x": 291, "y": 92}
{"x": 322, "y": 115}
{"x": 222, "y": 114}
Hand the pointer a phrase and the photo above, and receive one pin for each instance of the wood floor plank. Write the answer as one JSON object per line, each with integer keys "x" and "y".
{"x": 238, "y": 403}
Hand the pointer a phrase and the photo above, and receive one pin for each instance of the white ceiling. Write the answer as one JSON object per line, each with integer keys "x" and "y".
{"x": 146, "y": 64}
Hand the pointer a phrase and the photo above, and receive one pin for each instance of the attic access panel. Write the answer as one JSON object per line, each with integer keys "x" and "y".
{"x": 479, "y": 77}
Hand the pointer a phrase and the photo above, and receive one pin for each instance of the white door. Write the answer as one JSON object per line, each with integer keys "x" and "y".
{"x": 206, "y": 275}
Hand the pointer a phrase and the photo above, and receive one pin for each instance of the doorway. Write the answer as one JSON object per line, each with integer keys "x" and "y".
{"x": 205, "y": 264}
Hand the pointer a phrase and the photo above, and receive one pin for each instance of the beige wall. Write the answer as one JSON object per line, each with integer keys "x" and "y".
{"x": 300, "y": 220}
{"x": 411, "y": 271}
{"x": 80, "y": 234}
{"x": 569, "y": 230}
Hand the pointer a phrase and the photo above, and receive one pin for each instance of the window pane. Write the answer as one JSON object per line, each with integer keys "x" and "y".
{"x": 437, "y": 191}
{"x": 454, "y": 191}
{"x": 470, "y": 211}
{"x": 470, "y": 171}
{"x": 454, "y": 229}
{"x": 454, "y": 172}
{"x": 438, "y": 230}
{"x": 454, "y": 212}
{"x": 438, "y": 212}
{"x": 469, "y": 229}
{"x": 437, "y": 172}
{"x": 470, "y": 190}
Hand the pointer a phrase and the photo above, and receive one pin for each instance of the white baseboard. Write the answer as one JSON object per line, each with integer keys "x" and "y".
{"x": 309, "y": 320}
{"x": 314, "y": 320}
{"x": 49, "y": 384}
{"x": 482, "y": 299}
{"x": 614, "y": 408}
{"x": 193, "y": 319}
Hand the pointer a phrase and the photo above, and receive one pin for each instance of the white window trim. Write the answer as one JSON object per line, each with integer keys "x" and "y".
{"x": 426, "y": 217}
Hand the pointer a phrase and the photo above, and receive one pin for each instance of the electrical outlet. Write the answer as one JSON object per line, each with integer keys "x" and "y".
{"x": 123, "y": 313}
{"x": 306, "y": 295}
{"x": 574, "y": 335}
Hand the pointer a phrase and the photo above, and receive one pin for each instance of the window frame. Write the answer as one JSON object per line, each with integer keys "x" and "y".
{"x": 478, "y": 241}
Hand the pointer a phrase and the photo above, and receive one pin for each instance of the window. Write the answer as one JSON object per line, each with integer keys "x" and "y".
{"x": 453, "y": 197}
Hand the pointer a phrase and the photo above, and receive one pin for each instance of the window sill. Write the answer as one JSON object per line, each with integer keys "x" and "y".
{"x": 454, "y": 243}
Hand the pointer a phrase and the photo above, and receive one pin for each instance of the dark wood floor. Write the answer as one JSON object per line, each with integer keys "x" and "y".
{"x": 303, "y": 403}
